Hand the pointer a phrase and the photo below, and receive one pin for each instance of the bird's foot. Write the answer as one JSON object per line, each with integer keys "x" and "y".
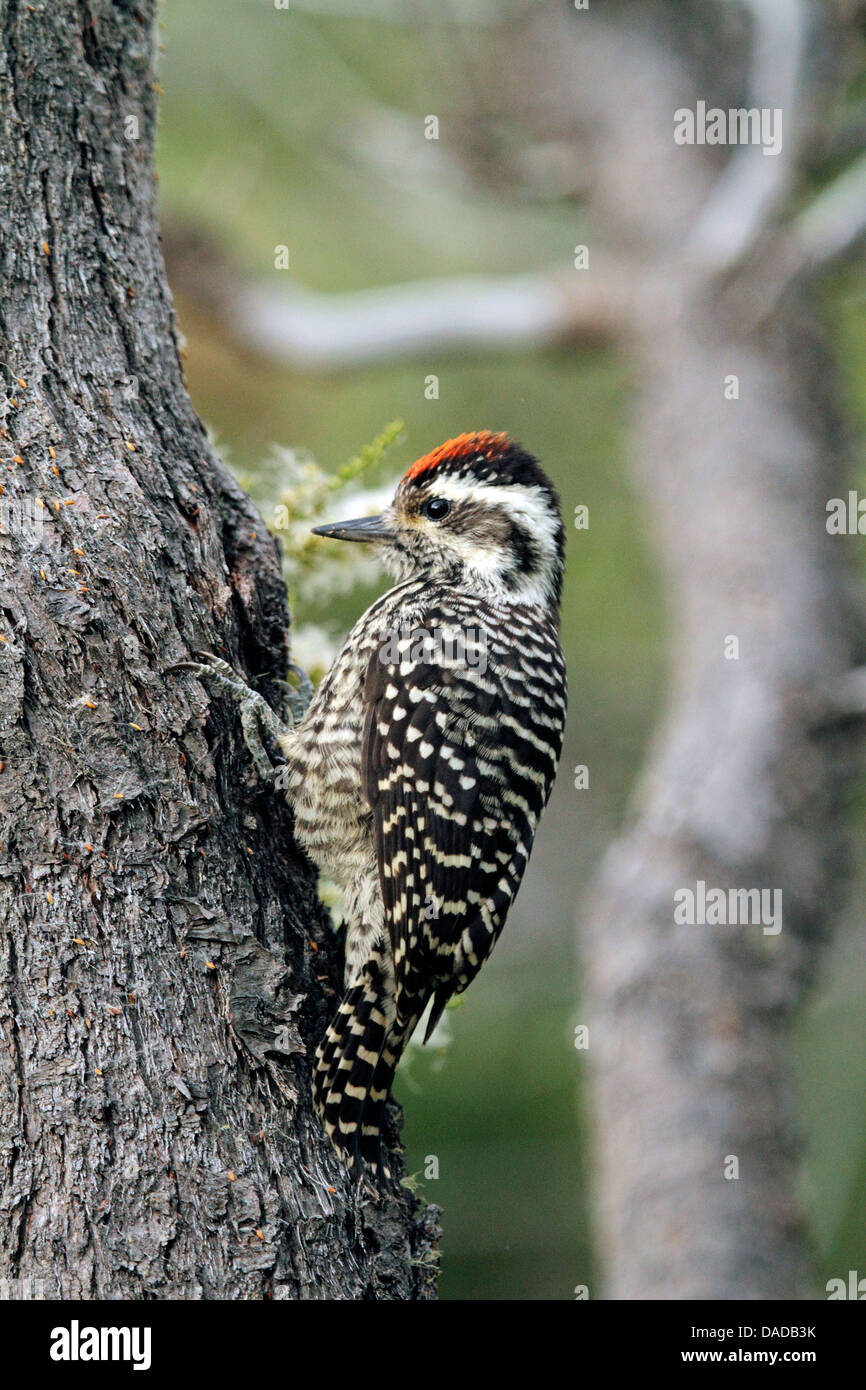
{"x": 258, "y": 720}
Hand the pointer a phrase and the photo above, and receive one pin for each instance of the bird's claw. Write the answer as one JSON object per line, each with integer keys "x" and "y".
{"x": 257, "y": 717}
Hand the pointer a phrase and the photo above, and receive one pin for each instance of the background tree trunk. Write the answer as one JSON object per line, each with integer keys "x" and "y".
{"x": 743, "y": 790}
{"x": 744, "y": 787}
{"x": 160, "y": 982}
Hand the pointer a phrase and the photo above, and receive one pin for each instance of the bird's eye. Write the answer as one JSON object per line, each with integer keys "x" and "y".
{"x": 436, "y": 508}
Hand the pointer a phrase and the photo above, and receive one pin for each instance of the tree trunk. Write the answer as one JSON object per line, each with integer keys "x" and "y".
{"x": 165, "y": 967}
{"x": 698, "y": 1136}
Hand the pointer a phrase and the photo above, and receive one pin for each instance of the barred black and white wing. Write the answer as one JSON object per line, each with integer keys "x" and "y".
{"x": 458, "y": 761}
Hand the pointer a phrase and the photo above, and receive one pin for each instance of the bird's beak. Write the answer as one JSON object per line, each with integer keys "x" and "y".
{"x": 365, "y": 528}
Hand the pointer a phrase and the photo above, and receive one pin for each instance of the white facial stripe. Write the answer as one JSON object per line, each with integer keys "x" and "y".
{"x": 528, "y": 505}
{"x": 523, "y": 503}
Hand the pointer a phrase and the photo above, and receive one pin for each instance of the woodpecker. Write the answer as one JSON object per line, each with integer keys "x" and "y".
{"x": 419, "y": 771}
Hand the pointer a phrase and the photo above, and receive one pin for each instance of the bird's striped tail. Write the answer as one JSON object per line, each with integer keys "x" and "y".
{"x": 355, "y": 1065}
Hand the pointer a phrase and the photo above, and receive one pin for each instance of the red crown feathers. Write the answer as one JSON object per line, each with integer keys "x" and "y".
{"x": 485, "y": 443}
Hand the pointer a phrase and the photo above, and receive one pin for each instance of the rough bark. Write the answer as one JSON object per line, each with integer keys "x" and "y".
{"x": 160, "y": 982}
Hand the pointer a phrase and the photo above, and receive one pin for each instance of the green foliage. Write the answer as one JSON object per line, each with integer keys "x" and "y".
{"x": 370, "y": 455}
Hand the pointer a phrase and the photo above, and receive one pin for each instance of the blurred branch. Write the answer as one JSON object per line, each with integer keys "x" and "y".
{"x": 308, "y": 330}
{"x": 470, "y": 12}
{"x": 834, "y": 223}
{"x": 726, "y": 217}
{"x": 753, "y": 185}
{"x": 482, "y": 313}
